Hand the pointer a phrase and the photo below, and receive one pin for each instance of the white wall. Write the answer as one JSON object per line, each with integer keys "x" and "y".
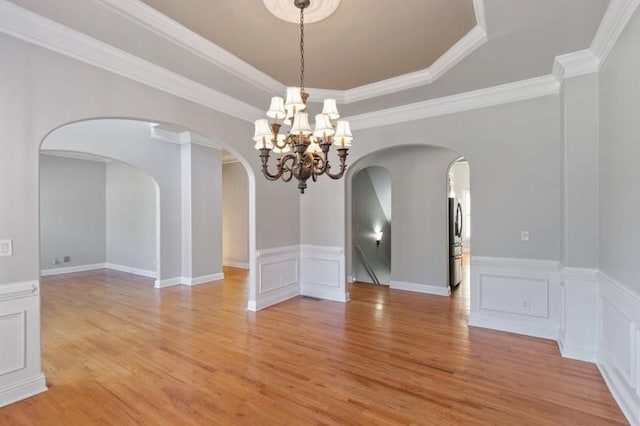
{"x": 72, "y": 212}
{"x": 235, "y": 215}
{"x": 131, "y": 218}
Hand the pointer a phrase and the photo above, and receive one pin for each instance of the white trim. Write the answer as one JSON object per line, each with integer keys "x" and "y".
{"x": 277, "y": 250}
{"x": 71, "y": 269}
{"x": 463, "y": 48}
{"x": 33, "y": 28}
{"x": 234, "y": 264}
{"x": 168, "y": 282}
{"x": 577, "y": 353}
{"x": 613, "y": 23}
{"x": 628, "y": 406}
{"x": 273, "y": 298}
{"x": 19, "y": 290}
{"x": 131, "y": 270}
{"x": 515, "y": 263}
{"x": 482, "y": 98}
{"x": 75, "y": 155}
{"x": 203, "y": 279}
{"x": 421, "y": 288}
{"x": 160, "y": 24}
{"x": 575, "y": 64}
{"x": 528, "y": 329}
{"x": 23, "y": 389}
{"x": 178, "y": 34}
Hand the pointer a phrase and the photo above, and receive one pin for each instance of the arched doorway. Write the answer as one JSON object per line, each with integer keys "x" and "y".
{"x": 419, "y": 241}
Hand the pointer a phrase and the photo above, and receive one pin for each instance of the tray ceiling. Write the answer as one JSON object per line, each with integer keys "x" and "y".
{"x": 364, "y": 41}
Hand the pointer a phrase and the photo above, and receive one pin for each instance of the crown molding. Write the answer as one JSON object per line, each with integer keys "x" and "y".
{"x": 184, "y": 137}
{"x": 613, "y": 23}
{"x": 491, "y": 96}
{"x": 75, "y": 155}
{"x": 575, "y": 64}
{"x": 36, "y": 29}
{"x": 160, "y": 24}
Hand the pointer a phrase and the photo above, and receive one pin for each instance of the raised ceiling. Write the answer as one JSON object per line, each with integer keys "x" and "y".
{"x": 364, "y": 41}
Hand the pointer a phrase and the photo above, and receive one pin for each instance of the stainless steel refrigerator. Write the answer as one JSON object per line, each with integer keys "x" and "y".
{"x": 455, "y": 243}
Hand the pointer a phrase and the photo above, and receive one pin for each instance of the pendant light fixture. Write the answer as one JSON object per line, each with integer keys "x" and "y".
{"x": 302, "y": 152}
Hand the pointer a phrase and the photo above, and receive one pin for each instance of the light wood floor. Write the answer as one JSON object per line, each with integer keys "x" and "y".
{"x": 116, "y": 351}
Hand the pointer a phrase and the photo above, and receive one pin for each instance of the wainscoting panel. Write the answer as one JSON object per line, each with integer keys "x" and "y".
{"x": 619, "y": 345}
{"x": 13, "y": 329}
{"x": 578, "y": 336}
{"x": 20, "y": 372}
{"x": 516, "y": 295}
{"x": 323, "y": 273}
{"x": 278, "y": 276}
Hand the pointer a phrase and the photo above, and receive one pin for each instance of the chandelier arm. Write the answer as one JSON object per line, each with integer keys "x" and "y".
{"x": 264, "y": 157}
{"x": 342, "y": 155}
{"x": 286, "y": 171}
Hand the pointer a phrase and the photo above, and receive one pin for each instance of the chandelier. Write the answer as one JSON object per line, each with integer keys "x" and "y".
{"x": 302, "y": 153}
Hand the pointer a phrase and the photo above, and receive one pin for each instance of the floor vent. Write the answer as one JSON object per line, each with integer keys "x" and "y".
{"x": 315, "y": 299}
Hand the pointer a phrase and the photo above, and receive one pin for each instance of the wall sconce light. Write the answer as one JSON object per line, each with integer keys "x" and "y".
{"x": 378, "y": 232}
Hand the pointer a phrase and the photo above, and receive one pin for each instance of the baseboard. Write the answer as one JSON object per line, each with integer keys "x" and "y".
{"x": 23, "y": 389}
{"x": 577, "y": 353}
{"x": 421, "y": 288}
{"x": 71, "y": 269}
{"x": 203, "y": 279}
{"x": 627, "y": 403}
{"x": 131, "y": 270}
{"x": 337, "y": 295}
{"x": 168, "y": 282}
{"x": 511, "y": 326}
{"x": 234, "y": 264}
{"x": 273, "y": 298}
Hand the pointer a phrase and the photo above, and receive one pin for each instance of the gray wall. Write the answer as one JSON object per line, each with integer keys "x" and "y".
{"x": 419, "y": 235}
{"x": 235, "y": 214}
{"x": 368, "y": 214}
{"x": 131, "y": 217}
{"x": 32, "y": 108}
{"x": 514, "y": 155}
{"x": 619, "y": 154}
{"x": 72, "y": 211}
{"x": 206, "y": 210}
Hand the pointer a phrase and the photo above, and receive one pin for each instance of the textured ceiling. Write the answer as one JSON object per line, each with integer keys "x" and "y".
{"x": 364, "y": 41}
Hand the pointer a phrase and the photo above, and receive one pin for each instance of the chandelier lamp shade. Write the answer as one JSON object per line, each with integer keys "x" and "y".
{"x": 302, "y": 152}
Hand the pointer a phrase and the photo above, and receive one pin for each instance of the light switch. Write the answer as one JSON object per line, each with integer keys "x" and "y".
{"x": 524, "y": 235}
{"x": 6, "y": 247}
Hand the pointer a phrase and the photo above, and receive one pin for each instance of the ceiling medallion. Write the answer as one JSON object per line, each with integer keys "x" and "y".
{"x": 289, "y": 11}
{"x": 302, "y": 152}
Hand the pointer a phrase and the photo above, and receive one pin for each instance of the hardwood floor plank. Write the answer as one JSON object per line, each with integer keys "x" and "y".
{"x": 118, "y": 351}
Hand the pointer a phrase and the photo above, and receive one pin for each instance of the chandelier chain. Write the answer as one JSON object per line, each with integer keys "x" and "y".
{"x": 302, "y": 49}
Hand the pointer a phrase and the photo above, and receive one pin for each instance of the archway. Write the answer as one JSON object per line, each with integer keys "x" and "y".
{"x": 419, "y": 242}
{"x": 163, "y": 152}
{"x": 97, "y": 213}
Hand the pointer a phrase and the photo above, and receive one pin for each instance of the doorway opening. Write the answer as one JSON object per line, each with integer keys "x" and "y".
{"x": 96, "y": 213}
{"x": 459, "y": 209}
{"x": 371, "y": 225}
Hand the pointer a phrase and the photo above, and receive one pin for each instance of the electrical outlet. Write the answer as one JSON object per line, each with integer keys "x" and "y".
{"x": 67, "y": 259}
{"x": 526, "y": 305}
{"x": 54, "y": 261}
{"x": 524, "y": 235}
{"x": 6, "y": 247}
